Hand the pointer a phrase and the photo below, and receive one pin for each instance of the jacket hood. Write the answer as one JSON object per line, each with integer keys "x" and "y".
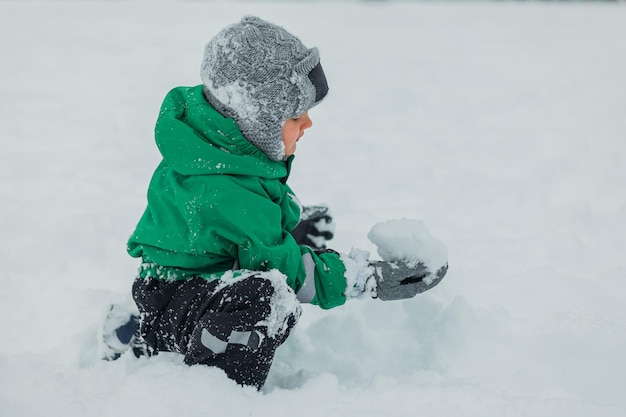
{"x": 195, "y": 139}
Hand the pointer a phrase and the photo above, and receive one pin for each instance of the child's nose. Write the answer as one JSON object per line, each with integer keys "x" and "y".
{"x": 307, "y": 122}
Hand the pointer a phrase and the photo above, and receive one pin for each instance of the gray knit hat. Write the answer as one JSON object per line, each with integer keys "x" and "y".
{"x": 261, "y": 75}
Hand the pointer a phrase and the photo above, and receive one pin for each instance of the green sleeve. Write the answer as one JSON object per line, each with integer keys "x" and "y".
{"x": 329, "y": 278}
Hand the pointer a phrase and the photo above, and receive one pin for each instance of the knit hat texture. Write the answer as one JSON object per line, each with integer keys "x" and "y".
{"x": 261, "y": 75}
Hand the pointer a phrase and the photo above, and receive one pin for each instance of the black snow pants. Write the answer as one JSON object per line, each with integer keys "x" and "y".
{"x": 234, "y": 324}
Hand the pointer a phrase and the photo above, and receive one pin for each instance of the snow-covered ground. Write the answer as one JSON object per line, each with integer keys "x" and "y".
{"x": 500, "y": 125}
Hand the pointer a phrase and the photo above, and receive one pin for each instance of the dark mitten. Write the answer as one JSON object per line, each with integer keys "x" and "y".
{"x": 404, "y": 279}
{"x": 315, "y": 228}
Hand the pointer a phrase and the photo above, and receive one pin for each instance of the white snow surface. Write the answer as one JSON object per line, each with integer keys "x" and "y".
{"x": 409, "y": 240}
{"x": 500, "y": 125}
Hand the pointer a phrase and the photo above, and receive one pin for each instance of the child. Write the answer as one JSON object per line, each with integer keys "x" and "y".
{"x": 228, "y": 254}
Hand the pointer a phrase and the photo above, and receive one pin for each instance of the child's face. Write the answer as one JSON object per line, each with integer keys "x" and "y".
{"x": 293, "y": 129}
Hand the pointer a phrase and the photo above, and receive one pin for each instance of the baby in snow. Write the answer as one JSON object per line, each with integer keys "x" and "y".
{"x": 228, "y": 253}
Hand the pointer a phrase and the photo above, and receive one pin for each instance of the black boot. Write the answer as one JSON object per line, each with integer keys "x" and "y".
{"x": 121, "y": 333}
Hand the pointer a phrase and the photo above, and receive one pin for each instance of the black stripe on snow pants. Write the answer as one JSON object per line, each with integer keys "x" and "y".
{"x": 235, "y": 325}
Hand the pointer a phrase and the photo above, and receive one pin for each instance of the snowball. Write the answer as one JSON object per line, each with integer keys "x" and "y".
{"x": 408, "y": 239}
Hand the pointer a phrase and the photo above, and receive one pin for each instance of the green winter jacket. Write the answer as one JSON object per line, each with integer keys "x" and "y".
{"x": 216, "y": 202}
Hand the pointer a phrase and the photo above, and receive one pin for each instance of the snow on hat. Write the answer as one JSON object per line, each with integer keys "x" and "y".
{"x": 261, "y": 75}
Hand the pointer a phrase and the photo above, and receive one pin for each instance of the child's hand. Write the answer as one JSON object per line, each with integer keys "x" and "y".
{"x": 404, "y": 279}
{"x": 315, "y": 228}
